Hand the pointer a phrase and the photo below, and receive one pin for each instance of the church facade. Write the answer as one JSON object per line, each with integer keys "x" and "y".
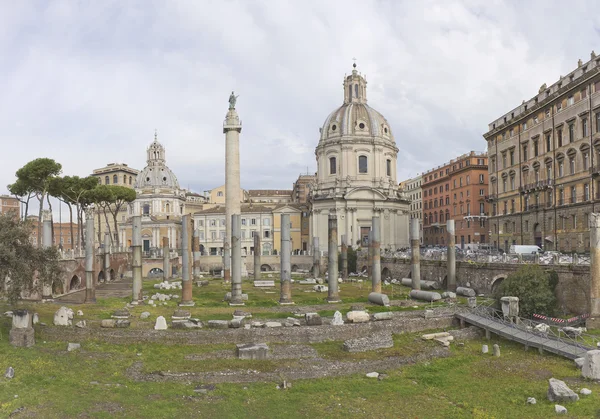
{"x": 356, "y": 174}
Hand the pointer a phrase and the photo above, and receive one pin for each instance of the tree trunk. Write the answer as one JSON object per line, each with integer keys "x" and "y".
{"x": 108, "y": 226}
{"x": 116, "y": 230}
{"x": 39, "y": 227}
{"x": 51, "y": 217}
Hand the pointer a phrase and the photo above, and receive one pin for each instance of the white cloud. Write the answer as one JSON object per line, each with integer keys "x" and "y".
{"x": 87, "y": 83}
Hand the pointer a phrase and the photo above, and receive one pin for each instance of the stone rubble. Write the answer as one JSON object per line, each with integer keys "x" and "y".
{"x": 145, "y": 315}
{"x": 531, "y": 400}
{"x": 79, "y": 313}
{"x": 73, "y": 347}
{"x": 63, "y": 317}
{"x": 81, "y": 324}
{"x": 373, "y": 375}
{"x": 337, "y": 319}
{"x": 10, "y": 372}
{"x": 313, "y": 319}
{"x": 561, "y": 410}
{"x": 496, "y": 350}
{"x": 559, "y": 391}
{"x": 36, "y": 318}
{"x": 357, "y": 317}
{"x": 218, "y": 324}
{"x": 252, "y": 351}
{"x": 385, "y": 315}
{"x": 484, "y": 349}
{"x": 108, "y": 323}
{"x": 161, "y": 323}
{"x": 370, "y": 343}
{"x": 585, "y": 391}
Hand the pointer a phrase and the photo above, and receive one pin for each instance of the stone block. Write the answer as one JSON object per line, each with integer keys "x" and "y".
{"x": 386, "y": 315}
{"x": 496, "y": 350}
{"x": 510, "y": 306}
{"x": 122, "y": 323}
{"x": 425, "y": 295}
{"x": 218, "y": 324}
{"x": 379, "y": 299}
{"x": 559, "y": 391}
{"x": 10, "y": 373}
{"x": 438, "y": 335}
{"x": 448, "y": 294}
{"x": 357, "y": 317}
{"x": 73, "y": 347}
{"x": 237, "y": 322}
{"x": 428, "y": 314}
{"x": 181, "y": 315}
{"x": 337, "y": 319}
{"x": 145, "y": 315}
{"x": 585, "y": 391}
{"x": 203, "y": 283}
{"x": 313, "y": 319}
{"x": 252, "y": 351}
{"x": 108, "y": 323}
{"x": 560, "y": 410}
{"x": 21, "y": 319}
{"x": 369, "y": 343}
{"x": 372, "y": 375}
{"x": 161, "y": 323}
{"x": 63, "y": 317}
{"x": 272, "y": 324}
{"x": 466, "y": 292}
{"x": 82, "y": 324}
{"x": 308, "y": 281}
{"x": 22, "y": 338}
{"x": 264, "y": 284}
{"x": 321, "y": 288}
{"x": 591, "y": 365}
{"x": 121, "y": 314}
{"x": 293, "y": 321}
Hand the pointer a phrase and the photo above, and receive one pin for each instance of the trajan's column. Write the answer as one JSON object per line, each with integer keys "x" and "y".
{"x": 232, "y": 127}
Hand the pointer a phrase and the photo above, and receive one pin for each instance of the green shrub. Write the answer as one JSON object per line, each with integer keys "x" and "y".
{"x": 534, "y": 287}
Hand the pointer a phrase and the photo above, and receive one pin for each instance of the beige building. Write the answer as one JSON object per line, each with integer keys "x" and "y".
{"x": 256, "y": 219}
{"x": 544, "y": 164}
{"x": 116, "y": 174}
{"x": 413, "y": 191}
{"x": 301, "y": 188}
{"x": 217, "y": 195}
{"x": 10, "y": 204}
{"x": 356, "y": 173}
{"x": 270, "y": 196}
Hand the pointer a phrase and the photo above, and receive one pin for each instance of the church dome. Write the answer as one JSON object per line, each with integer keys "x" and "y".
{"x": 355, "y": 118}
{"x": 156, "y": 174}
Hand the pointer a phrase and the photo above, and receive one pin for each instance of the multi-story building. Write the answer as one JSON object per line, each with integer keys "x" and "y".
{"x": 64, "y": 234}
{"x": 412, "y": 189}
{"x": 268, "y": 196}
{"x": 10, "y": 204}
{"x": 456, "y": 191}
{"x": 116, "y": 174}
{"x": 545, "y": 164}
{"x": 301, "y": 188}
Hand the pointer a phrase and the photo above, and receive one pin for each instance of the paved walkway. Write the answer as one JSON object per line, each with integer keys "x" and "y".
{"x": 529, "y": 338}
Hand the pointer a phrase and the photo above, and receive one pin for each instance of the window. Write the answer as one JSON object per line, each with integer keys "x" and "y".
{"x": 243, "y": 221}
{"x": 388, "y": 167}
{"x": 503, "y": 161}
{"x": 586, "y": 158}
{"x": 253, "y": 221}
{"x": 549, "y": 171}
{"x": 560, "y": 169}
{"x": 586, "y": 192}
{"x": 512, "y": 157}
{"x": 524, "y": 152}
{"x": 332, "y": 166}
{"x": 146, "y": 209}
{"x": 572, "y": 165}
{"x": 124, "y": 179}
{"x": 130, "y": 180}
{"x": 222, "y": 235}
{"x": 213, "y": 223}
{"x": 266, "y": 221}
{"x": 571, "y": 133}
{"x": 115, "y": 179}
{"x": 362, "y": 164}
{"x": 512, "y": 183}
{"x": 481, "y": 179}
{"x": 559, "y": 136}
{"x": 447, "y": 187}
{"x": 481, "y": 208}
{"x": 200, "y": 223}
{"x": 570, "y": 100}
{"x": 503, "y": 185}
{"x": 220, "y": 193}
{"x": 223, "y": 222}
{"x": 512, "y": 206}
{"x": 584, "y": 130}
{"x": 561, "y": 197}
{"x": 481, "y": 192}
{"x": 106, "y": 180}
{"x": 573, "y": 196}
{"x": 548, "y": 142}
{"x": 597, "y": 121}
{"x": 267, "y": 234}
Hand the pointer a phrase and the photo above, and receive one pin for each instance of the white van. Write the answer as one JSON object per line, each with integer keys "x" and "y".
{"x": 524, "y": 250}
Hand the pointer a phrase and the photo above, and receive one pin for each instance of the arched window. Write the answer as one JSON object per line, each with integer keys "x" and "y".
{"x": 332, "y": 165}
{"x": 115, "y": 179}
{"x": 124, "y": 179}
{"x": 362, "y": 164}
{"x": 356, "y": 90}
{"x": 349, "y": 92}
{"x": 168, "y": 207}
{"x": 106, "y": 180}
{"x": 388, "y": 167}
{"x": 130, "y": 180}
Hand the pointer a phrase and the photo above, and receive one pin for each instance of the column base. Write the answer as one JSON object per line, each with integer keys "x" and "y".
{"x": 592, "y": 323}
{"x": 135, "y": 303}
{"x": 333, "y": 300}
{"x": 22, "y": 338}
{"x": 236, "y": 304}
{"x": 286, "y": 303}
{"x": 187, "y": 304}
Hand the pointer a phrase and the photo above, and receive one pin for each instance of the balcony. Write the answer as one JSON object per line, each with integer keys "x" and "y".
{"x": 536, "y": 186}
{"x": 472, "y": 217}
{"x": 491, "y": 197}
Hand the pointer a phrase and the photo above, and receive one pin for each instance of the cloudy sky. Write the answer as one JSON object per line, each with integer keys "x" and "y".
{"x": 88, "y": 82}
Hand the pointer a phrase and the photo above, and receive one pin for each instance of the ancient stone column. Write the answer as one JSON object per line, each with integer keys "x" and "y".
{"x": 107, "y": 257}
{"x": 46, "y": 242}
{"x": 196, "y": 254}
{"x": 594, "y": 319}
{"x": 236, "y": 261}
{"x": 166, "y": 261}
{"x": 316, "y": 258}
{"x": 186, "y": 250}
{"x": 375, "y": 255}
{"x": 286, "y": 263}
{"x": 257, "y": 257}
{"x": 226, "y": 263}
{"x": 232, "y": 128}
{"x": 136, "y": 265}
{"x": 90, "y": 285}
{"x": 451, "y": 260}
{"x": 415, "y": 258}
{"x": 333, "y": 293}
{"x": 344, "y": 257}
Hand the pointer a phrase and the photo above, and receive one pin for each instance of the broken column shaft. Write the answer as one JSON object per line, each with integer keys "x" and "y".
{"x": 415, "y": 258}
{"x": 236, "y": 261}
{"x": 333, "y": 293}
{"x": 316, "y": 258}
{"x": 166, "y": 262}
{"x": 285, "y": 257}
{"x": 257, "y": 257}
{"x": 107, "y": 257}
{"x": 90, "y": 286}
{"x": 344, "y": 257}
{"x": 186, "y": 242}
{"x": 376, "y": 255}
{"x": 226, "y": 263}
{"x": 136, "y": 265}
{"x": 196, "y": 254}
{"x": 451, "y": 262}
